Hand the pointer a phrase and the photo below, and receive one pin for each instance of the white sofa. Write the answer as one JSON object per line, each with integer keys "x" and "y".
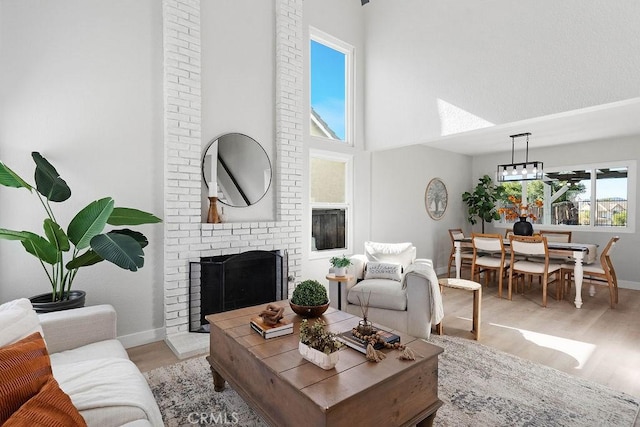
{"x": 406, "y": 298}
{"x": 90, "y": 364}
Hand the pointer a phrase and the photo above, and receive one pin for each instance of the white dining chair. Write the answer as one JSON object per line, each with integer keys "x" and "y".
{"x": 597, "y": 273}
{"x": 489, "y": 256}
{"x": 530, "y": 246}
{"x": 466, "y": 254}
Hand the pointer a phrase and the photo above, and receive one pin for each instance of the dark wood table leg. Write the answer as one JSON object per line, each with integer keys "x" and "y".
{"x": 218, "y": 381}
{"x": 427, "y": 422}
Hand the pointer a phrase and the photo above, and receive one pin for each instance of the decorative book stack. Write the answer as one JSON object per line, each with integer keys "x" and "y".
{"x": 283, "y": 327}
{"x": 360, "y": 345}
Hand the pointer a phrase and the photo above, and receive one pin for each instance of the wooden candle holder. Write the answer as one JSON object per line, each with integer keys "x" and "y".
{"x": 213, "y": 217}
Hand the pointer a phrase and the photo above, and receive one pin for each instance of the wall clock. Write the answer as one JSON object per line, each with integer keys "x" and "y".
{"x": 436, "y": 198}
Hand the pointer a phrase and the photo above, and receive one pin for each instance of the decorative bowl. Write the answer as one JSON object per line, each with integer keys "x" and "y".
{"x": 309, "y": 311}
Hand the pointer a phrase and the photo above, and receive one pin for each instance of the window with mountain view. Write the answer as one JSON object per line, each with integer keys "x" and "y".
{"x": 596, "y": 196}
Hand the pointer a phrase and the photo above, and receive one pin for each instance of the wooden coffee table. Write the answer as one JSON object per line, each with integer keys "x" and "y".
{"x": 286, "y": 390}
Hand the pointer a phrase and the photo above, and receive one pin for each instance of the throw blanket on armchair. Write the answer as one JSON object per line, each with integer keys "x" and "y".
{"x": 424, "y": 268}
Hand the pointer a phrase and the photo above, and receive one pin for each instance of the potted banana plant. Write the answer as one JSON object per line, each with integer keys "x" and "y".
{"x": 84, "y": 242}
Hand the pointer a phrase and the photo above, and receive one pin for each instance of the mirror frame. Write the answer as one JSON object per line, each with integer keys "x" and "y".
{"x": 266, "y": 156}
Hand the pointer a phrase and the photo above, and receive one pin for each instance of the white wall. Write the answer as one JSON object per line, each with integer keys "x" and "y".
{"x": 399, "y": 179}
{"x": 625, "y": 257}
{"x": 80, "y": 81}
{"x": 437, "y": 68}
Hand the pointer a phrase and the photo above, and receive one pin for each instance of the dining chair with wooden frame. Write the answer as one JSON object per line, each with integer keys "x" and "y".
{"x": 489, "y": 256}
{"x": 603, "y": 273}
{"x": 466, "y": 254}
{"x": 556, "y": 235}
{"x": 530, "y": 246}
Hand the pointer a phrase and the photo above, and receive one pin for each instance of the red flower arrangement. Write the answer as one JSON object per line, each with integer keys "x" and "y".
{"x": 518, "y": 209}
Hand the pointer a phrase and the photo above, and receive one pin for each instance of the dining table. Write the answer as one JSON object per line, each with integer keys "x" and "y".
{"x": 581, "y": 253}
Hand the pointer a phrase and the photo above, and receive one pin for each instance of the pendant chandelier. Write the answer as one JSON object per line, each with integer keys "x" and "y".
{"x": 527, "y": 171}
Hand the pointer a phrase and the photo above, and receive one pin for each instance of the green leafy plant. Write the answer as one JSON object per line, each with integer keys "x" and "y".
{"x": 340, "y": 262}
{"x": 317, "y": 337}
{"x": 84, "y": 242}
{"x": 309, "y": 293}
{"x": 481, "y": 203}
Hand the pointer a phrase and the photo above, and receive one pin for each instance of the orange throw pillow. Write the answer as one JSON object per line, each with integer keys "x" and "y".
{"x": 51, "y": 407}
{"x": 24, "y": 368}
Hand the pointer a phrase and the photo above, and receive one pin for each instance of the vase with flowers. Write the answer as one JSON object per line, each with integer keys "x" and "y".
{"x": 522, "y": 212}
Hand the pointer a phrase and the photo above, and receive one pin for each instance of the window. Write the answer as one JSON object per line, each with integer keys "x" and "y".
{"x": 595, "y": 196}
{"x": 330, "y": 200}
{"x": 331, "y": 82}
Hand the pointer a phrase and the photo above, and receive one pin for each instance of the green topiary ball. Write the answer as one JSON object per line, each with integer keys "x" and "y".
{"x": 309, "y": 293}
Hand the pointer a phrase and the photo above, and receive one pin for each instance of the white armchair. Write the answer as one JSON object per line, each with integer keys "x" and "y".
{"x": 402, "y": 291}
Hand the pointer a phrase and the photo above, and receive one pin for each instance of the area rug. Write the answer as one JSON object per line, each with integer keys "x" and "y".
{"x": 479, "y": 386}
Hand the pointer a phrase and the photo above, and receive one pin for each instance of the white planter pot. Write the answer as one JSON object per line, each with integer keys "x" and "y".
{"x": 318, "y": 358}
{"x": 340, "y": 271}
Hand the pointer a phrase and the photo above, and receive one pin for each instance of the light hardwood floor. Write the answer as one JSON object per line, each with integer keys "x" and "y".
{"x": 593, "y": 342}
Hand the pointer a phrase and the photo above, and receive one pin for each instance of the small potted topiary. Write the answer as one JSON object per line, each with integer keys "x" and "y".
{"x": 317, "y": 345}
{"x": 340, "y": 265}
{"x": 309, "y": 299}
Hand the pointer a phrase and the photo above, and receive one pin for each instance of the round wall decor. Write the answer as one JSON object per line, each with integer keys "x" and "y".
{"x": 436, "y": 198}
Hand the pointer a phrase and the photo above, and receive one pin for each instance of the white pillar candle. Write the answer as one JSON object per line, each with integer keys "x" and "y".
{"x": 212, "y": 160}
{"x": 213, "y": 191}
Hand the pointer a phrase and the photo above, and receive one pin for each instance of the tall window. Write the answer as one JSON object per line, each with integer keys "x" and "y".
{"x": 330, "y": 199}
{"x": 331, "y": 82}
{"x": 595, "y": 196}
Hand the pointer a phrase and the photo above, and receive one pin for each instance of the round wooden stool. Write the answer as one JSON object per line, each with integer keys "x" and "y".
{"x": 467, "y": 285}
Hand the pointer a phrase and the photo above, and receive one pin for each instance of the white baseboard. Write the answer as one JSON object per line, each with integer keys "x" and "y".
{"x": 628, "y": 284}
{"x": 141, "y": 338}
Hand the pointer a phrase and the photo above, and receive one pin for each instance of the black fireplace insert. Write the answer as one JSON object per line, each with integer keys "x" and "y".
{"x": 227, "y": 282}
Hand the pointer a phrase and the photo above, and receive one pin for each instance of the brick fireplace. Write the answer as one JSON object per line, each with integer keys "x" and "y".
{"x": 187, "y": 239}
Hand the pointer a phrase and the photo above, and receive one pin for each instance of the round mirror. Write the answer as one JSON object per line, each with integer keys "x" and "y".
{"x": 236, "y": 170}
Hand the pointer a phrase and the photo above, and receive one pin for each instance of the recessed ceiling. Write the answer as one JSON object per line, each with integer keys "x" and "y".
{"x": 594, "y": 123}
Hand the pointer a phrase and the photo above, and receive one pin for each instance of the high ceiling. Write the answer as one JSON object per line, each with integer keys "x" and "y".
{"x": 593, "y": 123}
{"x": 463, "y": 76}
